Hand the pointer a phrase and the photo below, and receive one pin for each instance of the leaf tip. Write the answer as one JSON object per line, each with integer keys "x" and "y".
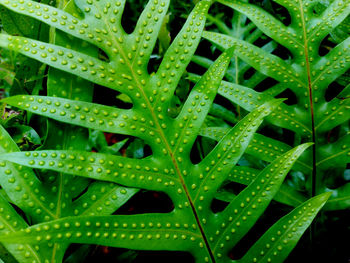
{"x": 305, "y": 146}
{"x": 280, "y": 100}
{"x": 325, "y": 196}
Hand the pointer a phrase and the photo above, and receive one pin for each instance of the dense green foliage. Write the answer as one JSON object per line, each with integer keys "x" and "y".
{"x": 62, "y": 179}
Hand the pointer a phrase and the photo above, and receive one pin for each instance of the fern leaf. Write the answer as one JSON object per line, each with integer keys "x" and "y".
{"x": 99, "y": 166}
{"x": 285, "y": 116}
{"x": 253, "y": 200}
{"x": 143, "y": 232}
{"x": 281, "y": 238}
{"x": 104, "y": 199}
{"x": 228, "y": 152}
{"x": 307, "y": 74}
{"x": 198, "y": 105}
{"x": 86, "y": 114}
{"x": 191, "y": 224}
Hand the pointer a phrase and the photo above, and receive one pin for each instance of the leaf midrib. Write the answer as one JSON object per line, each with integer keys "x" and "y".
{"x": 162, "y": 135}
{"x": 308, "y": 71}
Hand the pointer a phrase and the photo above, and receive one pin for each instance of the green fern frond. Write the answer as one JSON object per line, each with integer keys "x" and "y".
{"x": 52, "y": 198}
{"x": 191, "y": 226}
{"x": 308, "y": 75}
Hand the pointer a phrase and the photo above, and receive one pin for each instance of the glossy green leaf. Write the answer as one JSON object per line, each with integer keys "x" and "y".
{"x": 150, "y": 230}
